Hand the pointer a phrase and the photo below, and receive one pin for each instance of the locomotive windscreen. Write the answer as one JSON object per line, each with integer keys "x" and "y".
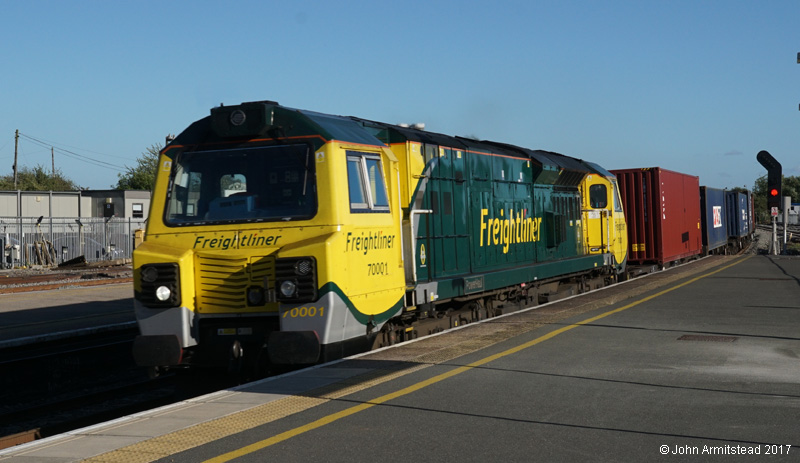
{"x": 268, "y": 183}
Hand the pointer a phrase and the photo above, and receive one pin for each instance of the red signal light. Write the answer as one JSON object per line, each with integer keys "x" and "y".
{"x": 773, "y": 192}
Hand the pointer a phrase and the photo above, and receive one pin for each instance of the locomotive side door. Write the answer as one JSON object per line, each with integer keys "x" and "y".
{"x": 421, "y": 219}
{"x": 598, "y": 203}
{"x": 445, "y": 228}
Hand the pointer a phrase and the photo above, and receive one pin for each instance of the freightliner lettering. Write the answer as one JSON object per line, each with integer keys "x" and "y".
{"x": 502, "y": 231}
{"x": 246, "y": 240}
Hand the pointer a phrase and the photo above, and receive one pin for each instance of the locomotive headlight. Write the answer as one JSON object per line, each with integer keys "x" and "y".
{"x": 238, "y": 117}
{"x": 255, "y": 295}
{"x": 163, "y": 293}
{"x": 288, "y": 288}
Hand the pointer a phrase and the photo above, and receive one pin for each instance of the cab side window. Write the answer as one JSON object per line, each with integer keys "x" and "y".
{"x": 617, "y": 201}
{"x": 365, "y": 181}
{"x": 598, "y": 196}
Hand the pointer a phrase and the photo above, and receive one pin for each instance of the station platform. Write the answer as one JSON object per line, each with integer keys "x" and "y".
{"x": 698, "y": 361}
{"x": 37, "y": 316}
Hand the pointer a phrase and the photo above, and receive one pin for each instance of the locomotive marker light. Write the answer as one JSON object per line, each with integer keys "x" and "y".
{"x": 149, "y": 274}
{"x": 774, "y": 172}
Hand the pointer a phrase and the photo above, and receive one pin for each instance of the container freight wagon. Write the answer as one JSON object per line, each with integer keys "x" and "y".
{"x": 714, "y": 225}
{"x": 662, "y": 211}
{"x": 738, "y": 218}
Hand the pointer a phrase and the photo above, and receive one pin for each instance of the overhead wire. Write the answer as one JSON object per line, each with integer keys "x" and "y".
{"x": 54, "y": 143}
{"x": 74, "y": 155}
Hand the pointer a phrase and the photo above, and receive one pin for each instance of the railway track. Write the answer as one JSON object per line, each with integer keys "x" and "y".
{"x": 793, "y": 229}
{"x": 25, "y": 280}
{"x": 792, "y": 235}
{"x": 50, "y": 388}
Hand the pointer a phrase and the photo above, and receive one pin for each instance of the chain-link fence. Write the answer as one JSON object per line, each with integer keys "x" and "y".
{"x": 27, "y": 241}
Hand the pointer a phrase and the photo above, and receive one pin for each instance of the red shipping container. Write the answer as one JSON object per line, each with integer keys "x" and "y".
{"x": 662, "y": 211}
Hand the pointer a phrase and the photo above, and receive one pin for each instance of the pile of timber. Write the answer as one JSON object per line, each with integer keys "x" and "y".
{"x": 44, "y": 253}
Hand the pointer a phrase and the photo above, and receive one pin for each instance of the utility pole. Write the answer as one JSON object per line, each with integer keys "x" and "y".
{"x": 53, "y": 160}
{"x": 16, "y": 145}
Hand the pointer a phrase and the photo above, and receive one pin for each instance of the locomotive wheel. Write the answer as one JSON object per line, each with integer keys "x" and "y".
{"x": 385, "y": 337}
{"x": 478, "y": 311}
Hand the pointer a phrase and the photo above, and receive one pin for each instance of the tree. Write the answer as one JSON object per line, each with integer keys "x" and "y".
{"x": 143, "y": 176}
{"x": 790, "y": 186}
{"x": 38, "y": 178}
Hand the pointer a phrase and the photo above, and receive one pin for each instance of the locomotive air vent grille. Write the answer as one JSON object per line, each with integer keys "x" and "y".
{"x": 262, "y": 267}
{"x": 222, "y": 282}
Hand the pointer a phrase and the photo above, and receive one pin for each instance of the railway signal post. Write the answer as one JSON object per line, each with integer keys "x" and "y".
{"x": 774, "y": 173}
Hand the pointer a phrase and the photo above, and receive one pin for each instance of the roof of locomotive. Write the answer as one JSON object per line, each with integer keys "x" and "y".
{"x": 281, "y": 121}
{"x": 569, "y": 171}
{"x": 342, "y": 128}
{"x": 397, "y": 133}
{"x": 267, "y": 119}
{"x": 599, "y": 170}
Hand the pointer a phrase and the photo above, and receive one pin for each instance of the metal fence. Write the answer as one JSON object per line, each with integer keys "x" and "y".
{"x": 49, "y": 241}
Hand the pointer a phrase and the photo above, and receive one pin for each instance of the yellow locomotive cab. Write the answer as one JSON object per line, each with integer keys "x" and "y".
{"x": 261, "y": 243}
{"x": 605, "y": 231}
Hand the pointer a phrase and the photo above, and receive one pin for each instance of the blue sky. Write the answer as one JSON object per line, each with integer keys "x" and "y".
{"x": 693, "y": 86}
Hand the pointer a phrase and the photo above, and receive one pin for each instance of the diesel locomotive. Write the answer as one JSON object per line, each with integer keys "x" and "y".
{"x": 284, "y": 236}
